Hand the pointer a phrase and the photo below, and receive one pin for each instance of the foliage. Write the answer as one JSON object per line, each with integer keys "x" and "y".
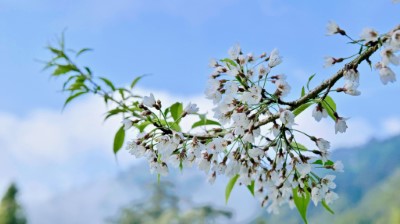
{"x": 164, "y": 206}
{"x": 10, "y": 210}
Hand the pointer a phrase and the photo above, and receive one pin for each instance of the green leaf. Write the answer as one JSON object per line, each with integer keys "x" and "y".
{"x": 318, "y": 162}
{"x": 176, "y": 110}
{"x": 298, "y": 146}
{"x": 83, "y": 50}
{"x": 309, "y": 80}
{"x": 204, "y": 122}
{"x": 303, "y": 92}
{"x": 301, "y": 108}
{"x": 142, "y": 125}
{"x": 174, "y": 126}
{"x": 330, "y": 106}
{"x": 229, "y": 61}
{"x": 113, "y": 112}
{"x": 302, "y": 203}
{"x": 251, "y": 187}
{"x": 70, "y": 98}
{"x": 108, "y": 83}
{"x": 330, "y": 102}
{"x": 119, "y": 139}
{"x": 326, "y": 206}
{"x": 63, "y": 69}
{"x": 230, "y": 186}
{"x": 327, "y": 163}
{"x": 136, "y": 80}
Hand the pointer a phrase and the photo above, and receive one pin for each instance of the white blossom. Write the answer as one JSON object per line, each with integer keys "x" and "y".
{"x": 386, "y": 74}
{"x": 175, "y": 160}
{"x": 303, "y": 169}
{"x": 319, "y": 112}
{"x": 327, "y": 182}
{"x": 204, "y": 164}
{"x": 163, "y": 169}
{"x": 287, "y": 118}
{"x": 350, "y": 88}
{"x": 217, "y": 145}
{"x": 330, "y": 197}
{"x": 253, "y": 96}
{"x": 149, "y": 101}
{"x": 213, "y": 63}
{"x": 329, "y": 61}
{"x": 283, "y": 87}
{"x": 395, "y": 39}
{"x": 191, "y": 108}
{"x": 255, "y": 152}
{"x": 135, "y": 149}
{"x": 369, "y": 35}
{"x": 234, "y": 51}
{"x": 340, "y": 125}
{"x": 338, "y": 166}
{"x": 212, "y": 177}
{"x": 323, "y": 144}
{"x": 262, "y": 70}
{"x": 352, "y": 75}
{"x": 231, "y": 88}
{"x": 274, "y": 59}
{"x": 316, "y": 195}
{"x": 212, "y": 87}
{"x": 127, "y": 124}
{"x": 332, "y": 28}
{"x": 388, "y": 56}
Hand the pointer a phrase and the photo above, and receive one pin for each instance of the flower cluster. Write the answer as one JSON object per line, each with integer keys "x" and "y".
{"x": 267, "y": 157}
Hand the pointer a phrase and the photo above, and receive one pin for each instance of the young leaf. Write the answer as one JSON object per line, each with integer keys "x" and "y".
{"x": 83, "y": 50}
{"x": 301, "y": 108}
{"x": 62, "y": 69}
{"x": 298, "y": 146}
{"x": 113, "y": 112}
{"x": 136, "y": 80}
{"x": 142, "y": 126}
{"x": 119, "y": 139}
{"x": 330, "y": 102}
{"x": 326, "y": 206}
{"x": 309, "y": 80}
{"x": 108, "y": 83}
{"x": 174, "y": 126}
{"x": 302, "y": 203}
{"x": 176, "y": 110}
{"x": 204, "y": 122}
{"x": 251, "y": 187}
{"x": 229, "y": 61}
{"x": 303, "y": 92}
{"x": 70, "y": 98}
{"x": 230, "y": 186}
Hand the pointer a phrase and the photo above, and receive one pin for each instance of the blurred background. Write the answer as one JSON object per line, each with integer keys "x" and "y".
{"x": 58, "y": 166}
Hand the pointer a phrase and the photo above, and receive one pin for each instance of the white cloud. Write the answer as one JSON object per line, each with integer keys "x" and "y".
{"x": 391, "y": 126}
{"x": 51, "y": 151}
{"x": 326, "y": 129}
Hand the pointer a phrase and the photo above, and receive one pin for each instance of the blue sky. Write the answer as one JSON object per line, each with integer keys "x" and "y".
{"x": 172, "y": 40}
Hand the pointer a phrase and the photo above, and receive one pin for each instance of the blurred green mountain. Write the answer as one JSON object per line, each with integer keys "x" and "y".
{"x": 368, "y": 188}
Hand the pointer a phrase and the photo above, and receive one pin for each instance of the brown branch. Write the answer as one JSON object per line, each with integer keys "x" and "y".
{"x": 326, "y": 84}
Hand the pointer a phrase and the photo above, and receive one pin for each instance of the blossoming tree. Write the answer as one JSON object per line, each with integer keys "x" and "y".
{"x": 252, "y": 138}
